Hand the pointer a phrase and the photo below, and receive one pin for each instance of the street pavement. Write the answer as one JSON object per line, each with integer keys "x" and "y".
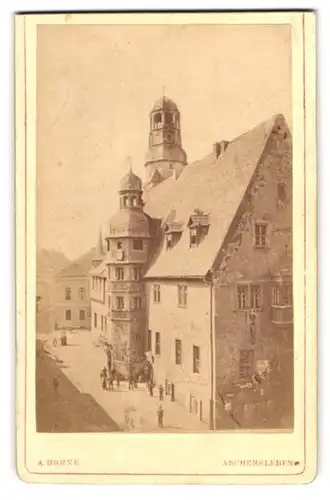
{"x": 80, "y": 364}
{"x": 65, "y": 408}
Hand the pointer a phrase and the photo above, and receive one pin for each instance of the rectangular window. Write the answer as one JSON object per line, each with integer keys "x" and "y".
{"x": 137, "y": 303}
{"x": 196, "y": 359}
{"x": 149, "y": 346}
{"x": 68, "y": 315}
{"x": 281, "y": 191}
{"x": 169, "y": 241}
{"x": 119, "y": 303}
{"x": 275, "y": 296}
{"x": 101, "y": 323}
{"x": 82, "y": 315}
{"x": 287, "y": 295}
{"x": 243, "y": 296}
{"x": 182, "y": 295}
{"x": 193, "y": 238}
{"x": 119, "y": 273}
{"x": 255, "y": 296}
{"x": 136, "y": 273}
{"x": 246, "y": 358}
{"x": 178, "y": 352}
{"x": 137, "y": 244}
{"x": 109, "y": 301}
{"x": 156, "y": 289}
{"x": 157, "y": 343}
{"x": 95, "y": 320}
{"x": 68, "y": 293}
{"x": 260, "y": 235}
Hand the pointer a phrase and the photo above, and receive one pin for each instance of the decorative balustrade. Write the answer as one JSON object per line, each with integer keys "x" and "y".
{"x": 120, "y": 314}
{"x": 124, "y": 286}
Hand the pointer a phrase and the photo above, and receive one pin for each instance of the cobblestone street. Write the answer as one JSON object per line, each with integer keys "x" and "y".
{"x": 86, "y": 406}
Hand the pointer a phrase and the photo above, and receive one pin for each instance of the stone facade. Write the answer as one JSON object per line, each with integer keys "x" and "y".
{"x": 251, "y": 330}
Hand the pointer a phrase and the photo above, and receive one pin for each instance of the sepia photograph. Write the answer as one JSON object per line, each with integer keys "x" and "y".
{"x": 164, "y": 229}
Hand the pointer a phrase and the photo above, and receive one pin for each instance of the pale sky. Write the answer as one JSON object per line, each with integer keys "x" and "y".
{"x": 96, "y": 86}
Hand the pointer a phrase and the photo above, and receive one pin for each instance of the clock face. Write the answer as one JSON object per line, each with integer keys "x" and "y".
{"x": 157, "y": 138}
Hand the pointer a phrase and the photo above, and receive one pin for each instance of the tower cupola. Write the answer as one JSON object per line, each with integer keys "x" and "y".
{"x": 130, "y": 191}
{"x": 165, "y": 153}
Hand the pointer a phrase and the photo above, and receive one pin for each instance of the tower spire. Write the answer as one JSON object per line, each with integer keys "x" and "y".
{"x": 129, "y": 162}
{"x": 99, "y": 247}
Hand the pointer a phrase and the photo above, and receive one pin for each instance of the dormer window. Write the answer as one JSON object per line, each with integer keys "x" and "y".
{"x": 199, "y": 226}
{"x": 173, "y": 232}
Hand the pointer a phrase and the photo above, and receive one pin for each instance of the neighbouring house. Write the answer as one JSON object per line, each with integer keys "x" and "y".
{"x": 72, "y": 308}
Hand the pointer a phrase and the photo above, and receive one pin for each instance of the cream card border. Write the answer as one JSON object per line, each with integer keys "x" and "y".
{"x": 192, "y": 458}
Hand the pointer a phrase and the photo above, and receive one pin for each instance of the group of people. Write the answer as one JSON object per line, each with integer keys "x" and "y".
{"x": 107, "y": 378}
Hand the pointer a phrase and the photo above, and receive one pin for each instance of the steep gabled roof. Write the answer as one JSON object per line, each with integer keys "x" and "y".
{"x": 79, "y": 267}
{"x": 215, "y": 186}
{"x": 100, "y": 270}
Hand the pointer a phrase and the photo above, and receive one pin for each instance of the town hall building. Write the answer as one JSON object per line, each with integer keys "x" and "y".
{"x": 194, "y": 274}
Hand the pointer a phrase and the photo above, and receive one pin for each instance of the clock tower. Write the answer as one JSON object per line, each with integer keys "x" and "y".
{"x": 165, "y": 155}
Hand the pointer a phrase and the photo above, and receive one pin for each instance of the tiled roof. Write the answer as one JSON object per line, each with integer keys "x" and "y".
{"x": 79, "y": 267}
{"x": 100, "y": 270}
{"x": 214, "y": 186}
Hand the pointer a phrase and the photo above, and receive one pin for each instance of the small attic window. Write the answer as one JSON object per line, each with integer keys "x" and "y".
{"x": 199, "y": 226}
{"x": 193, "y": 238}
{"x": 169, "y": 241}
{"x": 173, "y": 232}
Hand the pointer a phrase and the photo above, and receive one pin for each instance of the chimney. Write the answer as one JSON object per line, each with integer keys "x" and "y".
{"x": 219, "y": 148}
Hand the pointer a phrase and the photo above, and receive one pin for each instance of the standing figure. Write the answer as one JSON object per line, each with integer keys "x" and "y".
{"x": 110, "y": 379}
{"x": 118, "y": 380}
{"x": 131, "y": 382}
{"x": 55, "y": 386}
{"x": 160, "y": 414}
{"x": 151, "y": 388}
{"x": 103, "y": 377}
{"x": 64, "y": 340}
{"x": 161, "y": 392}
{"x": 136, "y": 379}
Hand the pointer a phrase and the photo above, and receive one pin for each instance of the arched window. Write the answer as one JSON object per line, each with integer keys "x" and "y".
{"x": 68, "y": 293}
{"x": 158, "y": 120}
{"x": 168, "y": 119}
{"x": 82, "y": 293}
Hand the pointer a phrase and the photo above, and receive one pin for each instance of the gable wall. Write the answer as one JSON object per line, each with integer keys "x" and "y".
{"x": 244, "y": 263}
